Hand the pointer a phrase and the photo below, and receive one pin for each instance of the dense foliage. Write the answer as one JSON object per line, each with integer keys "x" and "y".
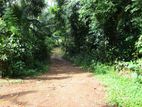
{"x": 108, "y": 29}
{"x": 23, "y": 36}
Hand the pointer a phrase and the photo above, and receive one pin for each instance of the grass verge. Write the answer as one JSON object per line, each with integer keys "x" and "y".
{"x": 122, "y": 91}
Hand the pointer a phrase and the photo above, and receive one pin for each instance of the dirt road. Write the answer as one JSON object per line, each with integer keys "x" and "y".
{"x": 64, "y": 85}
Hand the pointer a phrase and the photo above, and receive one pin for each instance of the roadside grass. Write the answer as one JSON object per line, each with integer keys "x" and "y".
{"x": 10, "y": 81}
{"x": 122, "y": 91}
{"x": 26, "y": 73}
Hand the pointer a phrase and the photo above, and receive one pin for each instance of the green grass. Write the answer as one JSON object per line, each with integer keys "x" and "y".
{"x": 10, "y": 81}
{"x": 122, "y": 91}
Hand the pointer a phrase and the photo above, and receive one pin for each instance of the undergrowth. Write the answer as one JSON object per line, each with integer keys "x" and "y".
{"x": 122, "y": 91}
{"x": 38, "y": 69}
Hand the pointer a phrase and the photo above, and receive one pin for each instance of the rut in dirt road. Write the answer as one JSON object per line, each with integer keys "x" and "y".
{"x": 64, "y": 85}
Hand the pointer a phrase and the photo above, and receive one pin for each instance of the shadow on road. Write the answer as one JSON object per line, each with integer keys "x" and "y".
{"x": 13, "y": 97}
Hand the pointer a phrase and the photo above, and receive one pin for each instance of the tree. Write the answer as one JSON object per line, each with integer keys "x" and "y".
{"x": 22, "y": 37}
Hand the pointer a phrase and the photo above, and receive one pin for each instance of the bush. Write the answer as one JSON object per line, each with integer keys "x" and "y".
{"x": 99, "y": 68}
{"x": 24, "y": 41}
{"x": 139, "y": 45}
{"x": 133, "y": 66}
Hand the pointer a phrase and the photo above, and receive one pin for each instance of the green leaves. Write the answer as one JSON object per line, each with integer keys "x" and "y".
{"x": 139, "y": 45}
{"x": 22, "y": 36}
{"x": 3, "y": 57}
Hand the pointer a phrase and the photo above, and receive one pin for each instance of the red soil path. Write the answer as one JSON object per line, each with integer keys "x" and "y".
{"x": 64, "y": 85}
